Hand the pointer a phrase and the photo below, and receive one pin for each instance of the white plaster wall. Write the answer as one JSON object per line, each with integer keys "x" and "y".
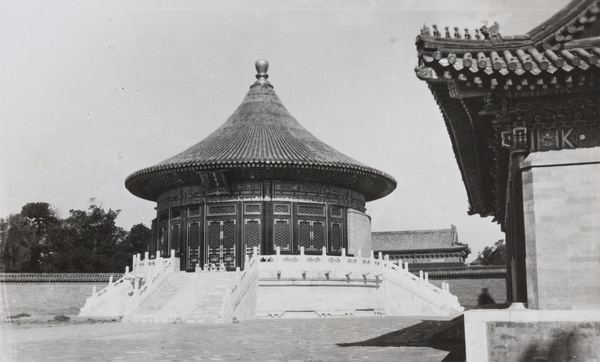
{"x": 561, "y": 197}
{"x": 359, "y": 232}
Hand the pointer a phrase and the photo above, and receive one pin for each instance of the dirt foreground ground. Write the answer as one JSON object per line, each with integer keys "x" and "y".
{"x": 331, "y": 339}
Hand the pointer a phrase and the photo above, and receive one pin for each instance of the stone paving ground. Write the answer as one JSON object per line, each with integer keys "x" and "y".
{"x": 329, "y": 339}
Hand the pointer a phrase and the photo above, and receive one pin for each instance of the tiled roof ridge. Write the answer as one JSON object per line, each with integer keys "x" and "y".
{"x": 431, "y": 231}
{"x": 564, "y": 26}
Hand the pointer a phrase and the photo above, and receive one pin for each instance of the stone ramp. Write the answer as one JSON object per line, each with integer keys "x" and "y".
{"x": 185, "y": 297}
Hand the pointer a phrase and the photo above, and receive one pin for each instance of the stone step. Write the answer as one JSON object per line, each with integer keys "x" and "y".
{"x": 208, "y": 298}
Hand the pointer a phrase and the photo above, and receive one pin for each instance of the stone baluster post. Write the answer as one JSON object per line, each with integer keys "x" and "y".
{"x": 443, "y": 291}
{"x": 278, "y": 259}
{"x": 255, "y": 254}
{"x": 144, "y": 265}
{"x": 157, "y": 261}
{"x": 138, "y": 261}
{"x": 302, "y": 260}
{"x": 173, "y": 266}
{"x": 420, "y": 280}
{"x": 136, "y": 286}
{"x": 133, "y": 262}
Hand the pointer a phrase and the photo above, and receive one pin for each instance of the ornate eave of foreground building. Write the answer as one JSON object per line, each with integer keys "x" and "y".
{"x": 261, "y": 141}
{"x": 533, "y": 92}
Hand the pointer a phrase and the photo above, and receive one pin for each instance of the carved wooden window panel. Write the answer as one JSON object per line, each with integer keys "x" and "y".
{"x": 281, "y": 209}
{"x": 221, "y": 210}
{"x": 336, "y": 211}
{"x": 281, "y": 234}
{"x": 252, "y": 208}
{"x": 193, "y": 244}
{"x": 194, "y": 211}
{"x": 252, "y": 235}
{"x": 311, "y": 210}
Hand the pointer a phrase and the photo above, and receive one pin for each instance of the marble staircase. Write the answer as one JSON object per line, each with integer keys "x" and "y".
{"x": 185, "y": 297}
{"x": 209, "y": 306}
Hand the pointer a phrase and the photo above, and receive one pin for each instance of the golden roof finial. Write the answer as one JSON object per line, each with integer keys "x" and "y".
{"x": 262, "y": 66}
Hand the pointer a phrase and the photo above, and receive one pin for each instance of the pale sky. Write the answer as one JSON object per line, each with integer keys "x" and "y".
{"x": 93, "y": 91}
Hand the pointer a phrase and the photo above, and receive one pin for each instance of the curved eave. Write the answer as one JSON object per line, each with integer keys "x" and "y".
{"x": 137, "y": 182}
{"x": 471, "y": 160}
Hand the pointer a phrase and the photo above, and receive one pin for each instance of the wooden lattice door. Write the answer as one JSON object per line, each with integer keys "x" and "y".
{"x": 193, "y": 245}
{"x": 252, "y": 235}
{"x": 221, "y": 243}
{"x": 311, "y": 235}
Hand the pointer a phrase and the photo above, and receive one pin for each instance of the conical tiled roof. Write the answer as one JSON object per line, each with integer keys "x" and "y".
{"x": 261, "y": 133}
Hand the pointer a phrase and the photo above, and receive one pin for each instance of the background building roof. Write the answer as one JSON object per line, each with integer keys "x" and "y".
{"x": 416, "y": 240}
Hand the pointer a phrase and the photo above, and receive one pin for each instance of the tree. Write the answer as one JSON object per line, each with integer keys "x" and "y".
{"x": 41, "y": 215}
{"x": 24, "y": 237}
{"x": 136, "y": 241}
{"x": 18, "y": 248}
{"x": 38, "y": 240}
{"x": 495, "y": 255}
{"x": 88, "y": 241}
{"x": 139, "y": 238}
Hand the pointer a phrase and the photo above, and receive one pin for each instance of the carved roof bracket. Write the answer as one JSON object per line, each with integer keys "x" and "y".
{"x": 493, "y": 105}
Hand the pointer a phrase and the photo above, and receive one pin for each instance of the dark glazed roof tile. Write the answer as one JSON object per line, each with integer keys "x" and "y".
{"x": 262, "y": 133}
{"x": 262, "y": 130}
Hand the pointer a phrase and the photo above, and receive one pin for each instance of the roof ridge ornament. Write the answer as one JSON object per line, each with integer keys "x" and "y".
{"x": 491, "y": 33}
{"x": 262, "y": 66}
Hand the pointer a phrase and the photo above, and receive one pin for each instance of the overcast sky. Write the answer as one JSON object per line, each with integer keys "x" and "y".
{"x": 93, "y": 91}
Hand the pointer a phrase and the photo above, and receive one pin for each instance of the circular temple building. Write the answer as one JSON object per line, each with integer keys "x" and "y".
{"x": 260, "y": 180}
